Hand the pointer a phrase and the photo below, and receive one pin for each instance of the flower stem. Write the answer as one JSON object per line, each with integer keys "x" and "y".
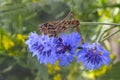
{"x": 110, "y": 35}
{"x": 99, "y": 23}
{"x": 103, "y": 34}
{"x": 99, "y": 36}
{"x": 107, "y": 31}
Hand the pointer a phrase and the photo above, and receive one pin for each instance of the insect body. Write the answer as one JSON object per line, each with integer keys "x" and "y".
{"x": 56, "y": 27}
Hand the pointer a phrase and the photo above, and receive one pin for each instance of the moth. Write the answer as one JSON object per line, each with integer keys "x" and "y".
{"x": 56, "y": 27}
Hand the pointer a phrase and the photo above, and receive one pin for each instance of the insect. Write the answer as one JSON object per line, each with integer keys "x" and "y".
{"x": 56, "y": 27}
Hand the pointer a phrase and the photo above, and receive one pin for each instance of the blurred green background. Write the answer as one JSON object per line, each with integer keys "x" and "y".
{"x": 20, "y": 17}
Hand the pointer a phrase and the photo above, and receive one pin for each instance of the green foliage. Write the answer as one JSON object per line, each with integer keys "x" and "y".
{"x": 19, "y": 17}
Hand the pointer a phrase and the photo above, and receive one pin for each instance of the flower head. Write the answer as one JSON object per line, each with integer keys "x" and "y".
{"x": 43, "y": 47}
{"x": 93, "y": 56}
{"x": 66, "y": 47}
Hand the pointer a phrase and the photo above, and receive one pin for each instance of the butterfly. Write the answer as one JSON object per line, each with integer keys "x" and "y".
{"x": 56, "y": 27}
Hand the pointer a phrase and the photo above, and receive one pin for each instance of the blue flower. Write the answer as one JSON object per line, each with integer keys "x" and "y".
{"x": 50, "y": 49}
{"x": 93, "y": 56}
{"x": 43, "y": 47}
{"x": 66, "y": 47}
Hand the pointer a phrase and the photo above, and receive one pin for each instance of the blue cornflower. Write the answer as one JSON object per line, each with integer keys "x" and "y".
{"x": 66, "y": 47}
{"x": 93, "y": 56}
{"x": 43, "y": 47}
{"x": 49, "y": 49}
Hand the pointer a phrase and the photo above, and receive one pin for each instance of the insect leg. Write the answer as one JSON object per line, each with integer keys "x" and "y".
{"x": 68, "y": 16}
{"x": 78, "y": 30}
{"x": 62, "y": 21}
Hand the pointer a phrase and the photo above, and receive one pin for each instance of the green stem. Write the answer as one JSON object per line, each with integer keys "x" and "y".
{"x": 110, "y": 35}
{"x": 107, "y": 31}
{"x": 102, "y": 35}
{"x": 98, "y": 23}
{"x": 108, "y": 6}
{"x": 99, "y": 35}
